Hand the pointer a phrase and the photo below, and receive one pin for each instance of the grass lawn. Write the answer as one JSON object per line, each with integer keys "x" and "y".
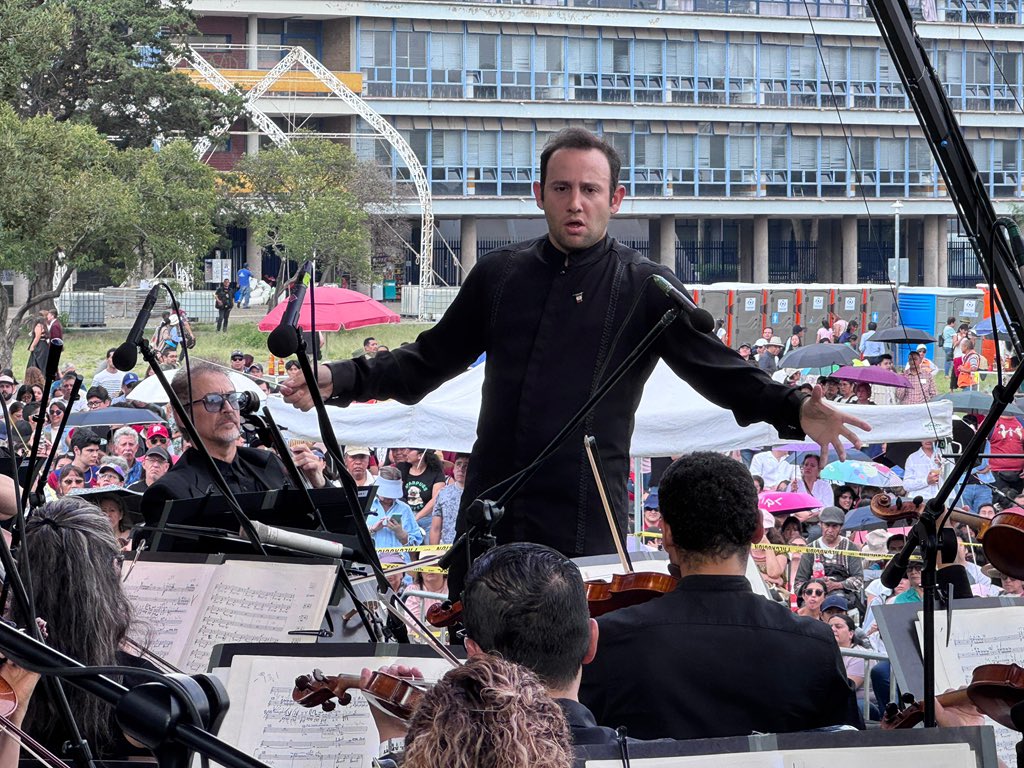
{"x": 87, "y": 349}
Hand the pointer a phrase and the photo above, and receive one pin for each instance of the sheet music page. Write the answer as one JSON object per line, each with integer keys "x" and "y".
{"x": 266, "y": 723}
{"x": 980, "y": 636}
{"x": 258, "y": 602}
{"x": 168, "y": 600}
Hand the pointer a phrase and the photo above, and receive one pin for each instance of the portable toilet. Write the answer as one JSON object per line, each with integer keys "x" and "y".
{"x": 848, "y": 303}
{"x": 817, "y": 303}
{"x": 928, "y": 308}
{"x": 747, "y": 301}
{"x": 881, "y": 307}
{"x": 783, "y": 308}
{"x": 717, "y": 302}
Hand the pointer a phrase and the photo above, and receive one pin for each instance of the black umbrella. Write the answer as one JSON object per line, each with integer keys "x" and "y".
{"x": 108, "y": 417}
{"x": 973, "y": 401}
{"x": 130, "y": 501}
{"x": 902, "y": 334}
{"x": 819, "y": 356}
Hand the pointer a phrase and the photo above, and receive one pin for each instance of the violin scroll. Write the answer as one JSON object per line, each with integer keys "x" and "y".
{"x": 890, "y": 507}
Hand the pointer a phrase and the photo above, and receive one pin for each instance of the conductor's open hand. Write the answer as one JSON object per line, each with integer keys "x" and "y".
{"x": 825, "y": 424}
{"x": 296, "y": 392}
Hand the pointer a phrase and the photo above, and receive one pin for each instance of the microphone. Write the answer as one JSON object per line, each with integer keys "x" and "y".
{"x": 126, "y": 355}
{"x": 284, "y": 340}
{"x": 896, "y": 568}
{"x": 700, "y": 319}
{"x": 314, "y": 546}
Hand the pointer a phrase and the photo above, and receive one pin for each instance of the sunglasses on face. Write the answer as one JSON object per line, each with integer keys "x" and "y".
{"x": 214, "y": 401}
{"x": 237, "y": 358}
{"x": 158, "y": 439}
{"x": 815, "y": 592}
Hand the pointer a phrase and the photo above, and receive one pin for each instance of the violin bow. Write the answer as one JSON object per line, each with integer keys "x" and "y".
{"x": 590, "y": 446}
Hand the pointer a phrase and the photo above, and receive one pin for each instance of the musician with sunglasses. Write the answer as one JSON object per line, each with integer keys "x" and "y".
{"x": 214, "y": 407}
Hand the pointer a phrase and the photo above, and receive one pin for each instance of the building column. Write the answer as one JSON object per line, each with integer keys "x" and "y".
{"x": 745, "y": 250}
{"x": 822, "y": 235}
{"x": 252, "y": 136}
{"x": 913, "y": 245}
{"x": 467, "y": 244}
{"x": 942, "y": 250}
{"x": 837, "y": 251}
{"x": 849, "y": 249}
{"x": 931, "y": 251}
{"x": 253, "y": 255}
{"x": 667, "y": 242}
{"x": 21, "y": 286}
{"x": 760, "y": 249}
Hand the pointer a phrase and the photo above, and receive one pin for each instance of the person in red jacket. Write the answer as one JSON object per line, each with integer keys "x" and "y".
{"x": 1007, "y": 438}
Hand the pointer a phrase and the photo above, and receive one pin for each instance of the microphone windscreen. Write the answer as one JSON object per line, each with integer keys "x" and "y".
{"x": 125, "y": 357}
{"x": 283, "y": 341}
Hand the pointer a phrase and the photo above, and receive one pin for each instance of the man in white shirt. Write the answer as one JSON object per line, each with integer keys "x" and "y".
{"x": 923, "y": 471}
{"x": 109, "y": 377}
{"x": 883, "y": 395}
{"x": 773, "y": 467}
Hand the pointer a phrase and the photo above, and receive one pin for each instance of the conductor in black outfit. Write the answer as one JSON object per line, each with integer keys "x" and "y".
{"x": 712, "y": 658}
{"x": 554, "y": 316}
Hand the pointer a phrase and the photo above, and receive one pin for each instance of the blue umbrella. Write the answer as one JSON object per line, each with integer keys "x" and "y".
{"x": 862, "y": 519}
{"x": 984, "y": 328}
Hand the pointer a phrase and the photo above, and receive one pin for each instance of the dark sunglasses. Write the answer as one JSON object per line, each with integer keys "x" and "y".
{"x": 214, "y": 401}
{"x": 238, "y": 358}
{"x": 159, "y": 438}
{"x": 817, "y": 592}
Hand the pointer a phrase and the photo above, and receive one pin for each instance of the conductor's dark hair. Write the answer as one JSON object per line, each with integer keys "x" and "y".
{"x": 580, "y": 138}
{"x": 710, "y": 503}
{"x": 527, "y": 603}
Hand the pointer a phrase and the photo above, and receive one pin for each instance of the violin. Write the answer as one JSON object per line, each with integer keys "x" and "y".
{"x": 396, "y": 696}
{"x": 994, "y": 689}
{"x": 1004, "y": 543}
{"x": 892, "y": 508}
{"x": 8, "y": 706}
{"x": 626, "y": 589}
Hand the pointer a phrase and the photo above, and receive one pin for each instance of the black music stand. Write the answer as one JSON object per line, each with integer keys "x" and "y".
{"x": 275, "y": 508}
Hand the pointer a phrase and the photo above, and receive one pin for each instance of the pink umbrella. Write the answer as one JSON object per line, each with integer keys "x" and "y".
{"x": 784, "y": 502}
{"x": 872, "y": 374}
{"x": 336, "y": 309}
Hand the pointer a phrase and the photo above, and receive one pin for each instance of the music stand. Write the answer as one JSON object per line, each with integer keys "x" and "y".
{"x": 275, "y": 508}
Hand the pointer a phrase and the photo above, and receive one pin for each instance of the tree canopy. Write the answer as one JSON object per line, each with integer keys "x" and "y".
{"x": 105, "y": 62}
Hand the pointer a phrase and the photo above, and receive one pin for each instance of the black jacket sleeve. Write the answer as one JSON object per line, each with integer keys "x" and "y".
{"x": 410, "y": 372}
{"x": 720, "y": 375}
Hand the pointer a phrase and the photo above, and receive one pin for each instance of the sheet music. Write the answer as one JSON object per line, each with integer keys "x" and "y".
{"x": 191, "y": 607}
{"x": 259, "y": 602}
{"x": 910, "y": 756}
{"x": 168, "y": 600}
{"x": 264, "y": 721}
{"x": 980, "y": 636}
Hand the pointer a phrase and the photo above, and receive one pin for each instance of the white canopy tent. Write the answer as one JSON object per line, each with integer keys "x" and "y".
{"x": 672, "y": 419}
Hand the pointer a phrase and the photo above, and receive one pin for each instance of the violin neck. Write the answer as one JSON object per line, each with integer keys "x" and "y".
{"x": 33, "y": 747}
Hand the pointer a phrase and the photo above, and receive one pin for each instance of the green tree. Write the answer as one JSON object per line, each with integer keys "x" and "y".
{"x": 315, "y": 199}
{"x": 68, "y": 198}
{"x": 105, "y": 62}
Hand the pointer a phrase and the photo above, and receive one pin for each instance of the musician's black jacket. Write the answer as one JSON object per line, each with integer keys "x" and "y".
{"x": 549, "y": 330}
{"x": 714, "y": 659}
{"x": 252, "y": 471}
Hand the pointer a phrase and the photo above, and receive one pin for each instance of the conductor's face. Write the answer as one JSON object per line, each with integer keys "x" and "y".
{"x": 223, "y": 425}
{"x": 577, "y": 198}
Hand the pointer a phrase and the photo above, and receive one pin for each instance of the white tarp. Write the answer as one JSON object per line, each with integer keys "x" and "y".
{"x": 672, "y": 419}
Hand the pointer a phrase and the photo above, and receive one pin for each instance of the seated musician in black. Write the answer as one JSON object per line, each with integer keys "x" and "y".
{"x": 705, "y": 658}
{"x": 214, "y": 407}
